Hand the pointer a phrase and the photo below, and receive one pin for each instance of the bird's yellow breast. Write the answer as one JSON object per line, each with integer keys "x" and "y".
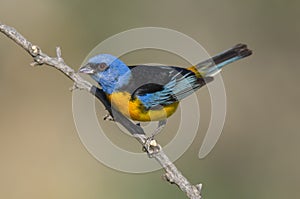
{"x": 135, "y": 110}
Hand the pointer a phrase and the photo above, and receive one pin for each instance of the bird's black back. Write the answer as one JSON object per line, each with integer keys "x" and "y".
{"x": 148, "y": 74}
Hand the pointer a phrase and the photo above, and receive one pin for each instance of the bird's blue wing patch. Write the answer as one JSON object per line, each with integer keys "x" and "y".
{"x": 154, "y": 95}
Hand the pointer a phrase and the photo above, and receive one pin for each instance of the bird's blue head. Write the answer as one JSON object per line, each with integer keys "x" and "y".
{"x": 109, "y": 71}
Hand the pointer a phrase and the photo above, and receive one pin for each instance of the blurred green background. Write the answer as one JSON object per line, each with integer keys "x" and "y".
{"x": 257, "y": 153}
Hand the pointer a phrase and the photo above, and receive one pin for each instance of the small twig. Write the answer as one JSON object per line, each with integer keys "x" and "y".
{"x": 172, "y": 175}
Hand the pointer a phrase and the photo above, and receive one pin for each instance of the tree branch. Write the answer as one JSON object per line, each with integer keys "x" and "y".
{"x": 172, "y": 175}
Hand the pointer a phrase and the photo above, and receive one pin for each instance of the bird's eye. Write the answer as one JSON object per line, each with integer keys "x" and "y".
{"x": 102, "y": 66}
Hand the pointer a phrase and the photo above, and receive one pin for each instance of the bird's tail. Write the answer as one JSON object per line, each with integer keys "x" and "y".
{"x": 214, "y": 65}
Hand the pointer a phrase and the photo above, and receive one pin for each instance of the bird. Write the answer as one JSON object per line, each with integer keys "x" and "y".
{"x": 153, "y": 92}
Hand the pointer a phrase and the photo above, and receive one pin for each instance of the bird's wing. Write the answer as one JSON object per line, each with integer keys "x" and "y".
{"x": 162, "y": 85}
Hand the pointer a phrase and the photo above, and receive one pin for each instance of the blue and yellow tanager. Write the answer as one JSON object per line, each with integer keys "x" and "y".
{"x": 151, "y": 93}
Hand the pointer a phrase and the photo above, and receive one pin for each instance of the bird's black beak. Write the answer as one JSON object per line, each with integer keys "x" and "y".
{"x": 86, "y": 69}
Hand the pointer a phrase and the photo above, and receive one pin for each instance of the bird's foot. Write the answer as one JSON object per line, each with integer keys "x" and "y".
{"x": 151, "y": 146}
{"x": 108, "y": 117}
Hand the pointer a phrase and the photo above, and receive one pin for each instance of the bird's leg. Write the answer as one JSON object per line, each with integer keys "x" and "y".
{"x": 159, "y": 128}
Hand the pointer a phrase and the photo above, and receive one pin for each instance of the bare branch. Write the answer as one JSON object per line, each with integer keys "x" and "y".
{"x": 172, "y": 175}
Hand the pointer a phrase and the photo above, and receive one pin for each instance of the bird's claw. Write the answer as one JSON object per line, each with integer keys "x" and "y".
{"x": 108, "y": 117}
{"x": 151, "y": 146}
{"x": 74, "y": 87}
